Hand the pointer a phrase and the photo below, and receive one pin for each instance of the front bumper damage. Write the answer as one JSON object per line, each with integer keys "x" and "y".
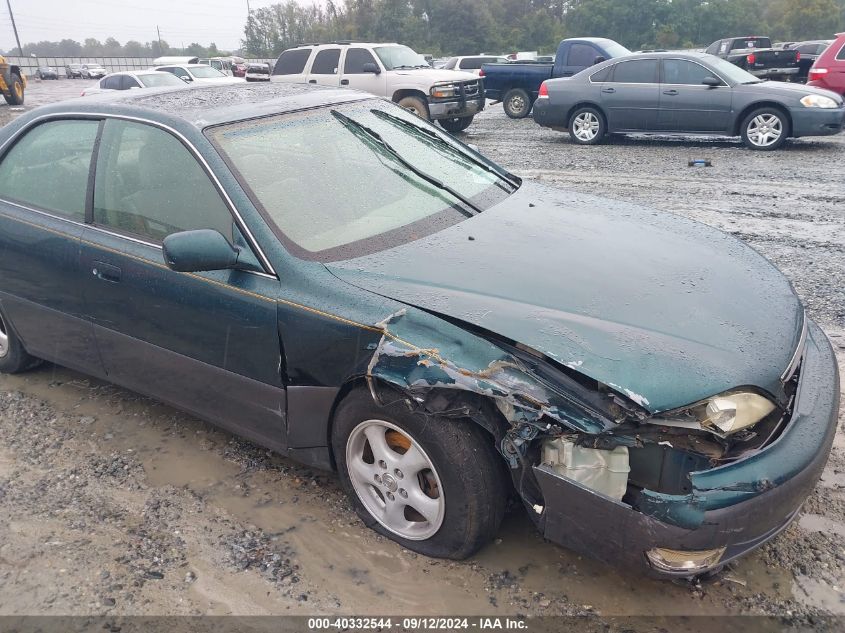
{"x": 739, "y": 506}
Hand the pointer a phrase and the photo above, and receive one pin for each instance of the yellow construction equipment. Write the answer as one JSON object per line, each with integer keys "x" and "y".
{"x": 12, "y": 82}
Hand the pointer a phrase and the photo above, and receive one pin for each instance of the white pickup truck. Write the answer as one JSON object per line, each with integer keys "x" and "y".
{"x": 387, "y": 70}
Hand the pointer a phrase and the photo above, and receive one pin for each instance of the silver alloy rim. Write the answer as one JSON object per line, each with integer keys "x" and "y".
{"x": 395, "y": 480}
{"x": 517, "y": 104}
{"x": 765, "y": 130}
{"x": 4, "y": 338}
{"x": 585, "y": 126}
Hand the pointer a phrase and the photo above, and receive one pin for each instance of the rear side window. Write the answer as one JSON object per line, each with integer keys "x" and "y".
{"x": 473, "y": 63}
{"x": 326, "y": 62}
{"x": 601, "y": 75}
{"x": 48, "y": 168}
{"x": 581, "y": 55}
{"x": 638, "y": 71}
{"x": 292, "y": 62}
{"x": 110, "y": 83}
{"x": 841, "y": 53}
{"x": 355, "y": 60}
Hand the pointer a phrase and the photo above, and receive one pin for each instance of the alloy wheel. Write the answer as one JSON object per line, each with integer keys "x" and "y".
{"x": 586, "y": 126}
{"x": 395, "y": 480}
{"x": 765, "y": 130}
{"x": 4, "y": 338}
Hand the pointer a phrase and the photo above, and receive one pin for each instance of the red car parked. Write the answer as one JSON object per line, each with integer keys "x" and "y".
{"x": 829, "y": 70}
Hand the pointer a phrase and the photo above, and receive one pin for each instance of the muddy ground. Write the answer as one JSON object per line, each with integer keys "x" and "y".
{"x": 111, "y": 503}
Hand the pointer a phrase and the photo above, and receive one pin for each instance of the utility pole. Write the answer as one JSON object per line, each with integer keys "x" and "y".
{"x": 14, "y": 28}
{"x": 158, "y": 32}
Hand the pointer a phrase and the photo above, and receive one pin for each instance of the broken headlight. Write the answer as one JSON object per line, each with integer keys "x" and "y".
{"x": 722, "y": 415}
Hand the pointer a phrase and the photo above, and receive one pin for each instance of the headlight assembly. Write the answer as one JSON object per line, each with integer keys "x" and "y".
{"x": 818, "y": 101}
{"x": 723, "y": 414}
{"x": 443, "y": 92}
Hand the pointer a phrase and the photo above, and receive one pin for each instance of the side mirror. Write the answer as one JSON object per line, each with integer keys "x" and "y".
{"x": 713, "y": 82}
{"x": 599, "y": 59}
{"x": 370, "y": 67}
{"x": 198, "y": 251}
{"x": 185, "y": 78}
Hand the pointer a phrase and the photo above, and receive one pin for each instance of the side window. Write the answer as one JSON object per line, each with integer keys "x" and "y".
{"x": 638, "y": 71}
{"x": 326, "y": 62}
{"x": 292, "y": 62}
{"x": 601, "y": 75}
{"x": 107, "y": 83}
{"x": 127, "y": 82}
{"x": 683, "y": 72}
{"x": 723, "y": 48}
{"x": 841, "y": 53}
{"x": 48, "y": 167}
{"x": 471, "y": 63}
{"x": 150, "y": 185}
{"x": 355, "y": 60}
{"x": 713, "y": 48}
{"x": 581, "y": 55}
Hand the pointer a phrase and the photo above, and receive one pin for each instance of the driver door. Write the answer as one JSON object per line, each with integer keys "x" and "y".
{"x": 353, "y": 74}
{"x": 206, "y": 342}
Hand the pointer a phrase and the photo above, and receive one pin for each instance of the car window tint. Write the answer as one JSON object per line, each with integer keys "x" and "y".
{"x": 601, "y": 75}
{"x": 581, "y": 55}
{"x": 841, "y": 53}
{"x": 638, "y": 71}
{"x": 48, "y": 167}
{"x": 147, "y": 183}
{"x": 292, "y": 62}
{"x": 326, "y": 62}
{"x": 355, "y": 60}
{"x": 472, "y": 63}
{"x": 681, "y": 71}
{"x": 127, "y": 82}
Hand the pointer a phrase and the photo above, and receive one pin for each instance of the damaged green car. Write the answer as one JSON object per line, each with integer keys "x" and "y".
{"x": 342, "y": 282}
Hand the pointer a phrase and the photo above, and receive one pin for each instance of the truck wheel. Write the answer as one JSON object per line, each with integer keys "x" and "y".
{"x": 434, "y": 485}
{"x": 417, "y": 105}
{"x": 517, "y": 103}
{"x": 765, "y": 129}
{"x": 587, "y": 126}
{"x": 13, "y": 357}
{"x": 15, "y": 96}
{"x": 456, "y": 125}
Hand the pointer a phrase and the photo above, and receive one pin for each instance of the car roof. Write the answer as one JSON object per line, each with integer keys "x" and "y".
{"x": 204, "y": 106}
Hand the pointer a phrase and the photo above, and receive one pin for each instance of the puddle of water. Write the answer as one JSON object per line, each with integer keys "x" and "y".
{"x": 818, "y": 593}
{"x": 818, "y": 523}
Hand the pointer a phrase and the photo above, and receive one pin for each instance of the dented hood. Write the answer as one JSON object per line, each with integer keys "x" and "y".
{"x": 663, "y": 309}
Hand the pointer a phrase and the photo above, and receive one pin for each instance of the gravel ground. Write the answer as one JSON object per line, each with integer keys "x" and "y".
{"x": 115, "y": 504}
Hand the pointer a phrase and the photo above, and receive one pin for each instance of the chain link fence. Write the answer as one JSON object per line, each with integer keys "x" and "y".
{"x": 112, "y": 64}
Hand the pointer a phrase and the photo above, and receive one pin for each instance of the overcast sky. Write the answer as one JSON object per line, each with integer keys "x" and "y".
{"x": 181, "y": 21}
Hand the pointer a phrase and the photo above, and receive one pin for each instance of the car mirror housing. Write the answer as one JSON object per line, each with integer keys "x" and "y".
{"x": 599, "y": 59}
{"x": 370, "y": 67}
{"x": 713, "y": 82}
{"x": 185, "y": 78}
{"x": 199, "y": 251}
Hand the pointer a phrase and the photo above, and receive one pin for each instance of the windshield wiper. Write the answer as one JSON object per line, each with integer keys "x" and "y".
{"x": 363, "y": 129}
{"x": 391, "y": 118}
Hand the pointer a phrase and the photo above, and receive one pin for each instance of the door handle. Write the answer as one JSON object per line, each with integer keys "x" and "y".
{"x": 671, "y": 93}
{"x": 312, "y": 81}
{"x": 608, "y": 90}
{"x": 106, "y": 272}
{"x": 344, "y": 82}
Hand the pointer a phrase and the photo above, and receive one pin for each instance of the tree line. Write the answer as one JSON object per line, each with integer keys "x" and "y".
{"x": 92, "y": 47}
{"x": 460, "y": 27}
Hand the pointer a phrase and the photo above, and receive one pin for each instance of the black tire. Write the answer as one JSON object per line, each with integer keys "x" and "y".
{"x": 517, "y": 103}
{"x": 15, "y": 96}
{"x": 13, "y": 357}
{"x": 456, "y": 125}
{"x": 417, "y": 105}
{"x": 597, "y": 126}
{"x": 766, "y": 120}
{"x": 473, "y": 478}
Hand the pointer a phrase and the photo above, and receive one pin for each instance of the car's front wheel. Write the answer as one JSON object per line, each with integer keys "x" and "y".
{"x": 433, "y": 485}
{"x": 765, "y": 129}
{"x": 13, "y": 357}
{"x": 587, "y": 126}
{"x": 417, "y": 105}
{"x": 456, "y": 125}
